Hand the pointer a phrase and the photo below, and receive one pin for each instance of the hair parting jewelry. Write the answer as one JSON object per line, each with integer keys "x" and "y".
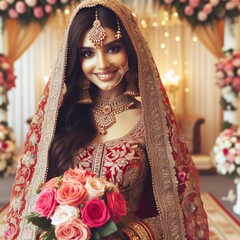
{"x": 118, "y": 35}
{"x": 97, "y": 33}
{"x": 105, "y": 110}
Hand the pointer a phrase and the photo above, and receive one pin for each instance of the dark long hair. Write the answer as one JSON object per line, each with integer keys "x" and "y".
{"x": 75, "y": 125}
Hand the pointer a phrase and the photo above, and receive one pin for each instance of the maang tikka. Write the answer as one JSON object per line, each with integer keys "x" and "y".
{"x": 97, "y": 33}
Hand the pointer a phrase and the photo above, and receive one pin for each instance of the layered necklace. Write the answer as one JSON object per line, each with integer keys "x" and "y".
{"x": 105, "y": 110}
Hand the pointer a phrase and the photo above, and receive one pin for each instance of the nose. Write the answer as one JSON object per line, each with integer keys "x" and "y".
{"x": 103, "y": 62}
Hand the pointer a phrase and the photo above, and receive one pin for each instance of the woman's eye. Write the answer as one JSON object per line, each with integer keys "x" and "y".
{"x": 114, "y": 49}
{"x": 86, "y": 54}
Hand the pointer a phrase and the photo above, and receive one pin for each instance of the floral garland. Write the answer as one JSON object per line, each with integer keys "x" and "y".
{"x": 227, "y": 152}
{"x": 198, "y": 12}
{"x": 8, "y": 151}
{"x": 27, "y": 11}
{"x": 228, "y": 79}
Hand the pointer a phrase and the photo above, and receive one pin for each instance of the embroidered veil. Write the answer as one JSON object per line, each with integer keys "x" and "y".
{"x": 175, "y": 179}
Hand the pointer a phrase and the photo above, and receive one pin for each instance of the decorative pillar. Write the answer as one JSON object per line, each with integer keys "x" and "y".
{"x": 232, "y": 41}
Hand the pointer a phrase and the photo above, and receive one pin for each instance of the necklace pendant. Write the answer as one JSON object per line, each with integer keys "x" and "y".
{"x": 107, "y": 109}
{"x": 103, "y": 131}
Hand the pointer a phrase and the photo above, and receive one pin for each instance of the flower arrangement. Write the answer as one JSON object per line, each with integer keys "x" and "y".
{"x": 198, "y": 12}
{"x": 30, "y": 10}
{"x": 7, "y": 77}
{"x": 8, "y": 150}
{"x": 78, "y": 205}
{"x": 227, "y": 152}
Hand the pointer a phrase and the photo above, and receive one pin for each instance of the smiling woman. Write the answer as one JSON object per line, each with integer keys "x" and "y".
{"x": 89, "y": 118}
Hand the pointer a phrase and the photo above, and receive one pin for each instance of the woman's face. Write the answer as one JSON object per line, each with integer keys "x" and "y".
{"x": 101, "y": 65}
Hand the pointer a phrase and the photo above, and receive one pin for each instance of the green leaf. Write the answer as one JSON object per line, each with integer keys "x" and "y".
{"x": 50, "y": 234}
{"x": 95, "y": 234}
{"x": 109, "y": 228}
{"x": 41, "y": 222}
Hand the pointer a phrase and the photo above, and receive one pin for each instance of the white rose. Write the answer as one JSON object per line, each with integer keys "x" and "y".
{"x": 234, "y": 139}
{"x": 227, "y": 144}
{"x": 237, "y": 145}
{"x": 202, "y": 16}
{"x": 214, "y": 2}
{"x": 226, "y": 90}
{"x": 31, "y": 3}
{"x": 63, "y": 213}
{"x": 237, "y": 159}
{"x": 3, "y": 5}
{"x": 232, "y": 151}
{"x": 2, "y": 136}
{"x": 232, "y": 168}
{"x": 3, "y": 165}
{"x": 221, "y": 169}
{"x": 94, "y": 187}
{"x": 220, "y": 158}
{"x": 216, "y": 149}
{"x": 238, "y": 171}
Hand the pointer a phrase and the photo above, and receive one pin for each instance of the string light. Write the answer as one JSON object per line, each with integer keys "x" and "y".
{"x": 166, "y": 34}
{"x": 177, "y": 38}
{"x": 187, "y": 90}
{"x": 163, "y": 45}
{"x": 163, "y": 22}
{"x": 66, "y": 11}
{"x": 155, "y": 24}
{"x": 134, "y": 14}
{"x": 195, "y": 39}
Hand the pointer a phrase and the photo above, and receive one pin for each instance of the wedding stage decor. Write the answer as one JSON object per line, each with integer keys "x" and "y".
{"x": 222, "y": 225}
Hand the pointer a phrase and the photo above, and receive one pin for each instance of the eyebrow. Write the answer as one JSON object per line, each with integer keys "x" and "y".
{"x": 105, "y": 46}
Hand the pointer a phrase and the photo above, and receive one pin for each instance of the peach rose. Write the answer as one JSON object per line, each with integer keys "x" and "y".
{"x": 77, "y": 175}
{"x": 117, "y": 206}
{"x": 50, "y": 184}
{"x": 71, "y": 194}
{"x": 73, "y": 229}
{"x": 95, "y": 213}
{"x": 95, "y": 188}
{"x": 46, "y": 203}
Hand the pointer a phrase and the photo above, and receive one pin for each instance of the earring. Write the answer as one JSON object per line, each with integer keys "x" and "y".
{"x": 84, "y": 86}
{"x": 132, "y": 85}
{"x": 118, "y": 34}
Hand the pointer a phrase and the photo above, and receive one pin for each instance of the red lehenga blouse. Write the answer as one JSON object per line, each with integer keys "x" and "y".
{"x": 124, "y": 162}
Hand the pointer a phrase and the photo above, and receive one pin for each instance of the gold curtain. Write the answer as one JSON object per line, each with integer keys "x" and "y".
{"x": 19, "y": 37}
{"x": 212, "y": 36}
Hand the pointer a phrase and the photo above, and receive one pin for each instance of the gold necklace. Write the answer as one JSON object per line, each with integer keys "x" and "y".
{"x": 105, "y": 110}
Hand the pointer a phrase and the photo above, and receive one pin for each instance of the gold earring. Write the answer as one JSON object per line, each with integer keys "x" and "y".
{"x": 97, "y": 33}
{"x": 132, "y": 85}
{"x": 84, "y": 86}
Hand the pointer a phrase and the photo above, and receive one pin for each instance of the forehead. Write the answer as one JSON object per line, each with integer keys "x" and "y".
{"x": 85, "y": 42}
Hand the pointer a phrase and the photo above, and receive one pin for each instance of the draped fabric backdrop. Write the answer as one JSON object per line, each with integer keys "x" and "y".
{"x": 190, "y": 60}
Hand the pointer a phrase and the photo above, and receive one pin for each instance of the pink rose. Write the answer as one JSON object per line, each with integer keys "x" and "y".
{"x": 20, "y": 7}
{"x": 74, "y": 229}
{"x": 116, "y": 206}
{"x": 50, "y": 184}
{"x": 48, "y": 8}
{"x": 51, "y": 2}
{"x": 194, "y": 3}
{"x": 46, "y": 202}
{"x": 207, "y": 8}
{"x": 214, "y": 2}
{"x": 95, "y": 213}
{"x": 188, "y": 10}
{"x": 38, "y": 12}
{"x": 12, "y": 13}
{"x": 236, "y": 83}
{"x": 77, "y": 175}
{"x": 72, "y": 194}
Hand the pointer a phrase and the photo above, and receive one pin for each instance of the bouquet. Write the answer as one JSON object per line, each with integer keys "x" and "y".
{"x": 8, "y": 151}
{"x": 7, "y": 77}
{"x": 78, "y": 205}
{"x": 227, "y": 152}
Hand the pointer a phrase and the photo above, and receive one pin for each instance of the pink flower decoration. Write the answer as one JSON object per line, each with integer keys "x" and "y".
{"x": 52, "y": 2}
{"x": 48, "y": 8}
{"x": 188, "y": 10}
{"x": 20, "y": 7}
{"x": 12, "y": 13}
{"x": 38, "y": 12}
{"x": 207, "y": 8}
{"x": 194, "y": 3}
